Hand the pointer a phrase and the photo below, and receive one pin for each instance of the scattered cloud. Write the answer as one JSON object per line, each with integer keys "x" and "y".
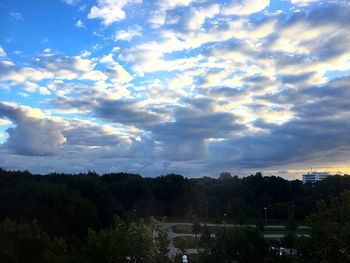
{"x": 110, "y": 11}
{"x": 17, "y": 16}
{"x": 128, "y": 34}
{"x": 245, "y": 7}
{"x": 190, "y": 85}
{"x": 2, "y": 52}
{"x": 71, "y": 2}
{"x": 80, "y": 24}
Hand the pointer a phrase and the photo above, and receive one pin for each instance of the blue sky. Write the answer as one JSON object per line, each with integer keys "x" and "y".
{"x": 195, "y": 87}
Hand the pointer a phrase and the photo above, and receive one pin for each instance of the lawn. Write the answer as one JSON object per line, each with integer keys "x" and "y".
{"x": 185, "y": 242}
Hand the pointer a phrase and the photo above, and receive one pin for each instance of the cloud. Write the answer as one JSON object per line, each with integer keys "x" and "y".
{"x": 245, "y": 7}
{"x": 17, "y": 16}
{"x": 51, "y": 66}
{"x": 196, "y": 119}
{"x": 71, "y": 2}
{"x": 304, "y": 2}
{"x": 33, "y": 134}
{"x": 88, "y": 134}
{"x": 128, "y": 34}
{"x": 185, "y": 138}
{"x": 197, "y": 85}
{"x": 80, "y": 24}
{"x": 127, "y": 113}
{"x": 110, "y": 11}
{"x": 320, "y": 125}
{"x": 158, "y": 15}
{"x": 2, "y": 52}
{"x": 4, "y": 122}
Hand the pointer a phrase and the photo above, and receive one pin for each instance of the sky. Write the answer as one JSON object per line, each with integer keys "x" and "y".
{"x": 194, "y": 87}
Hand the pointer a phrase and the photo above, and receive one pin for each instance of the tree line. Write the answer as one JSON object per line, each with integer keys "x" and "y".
{"x": 81, "y": 217}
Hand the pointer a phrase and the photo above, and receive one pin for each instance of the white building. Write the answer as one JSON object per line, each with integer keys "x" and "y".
{"x": 314, "y": 177}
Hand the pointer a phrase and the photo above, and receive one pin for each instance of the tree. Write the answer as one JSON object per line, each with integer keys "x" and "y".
{"x": 196, "y": 226}
{"x": 161, "y": 239}
{"x": 205, "y": 236}
{"x": 330, "y": 236}
{"x": 134, "y": 242}
{"x": 27, "y": 243}
{"x": 236, "y": 245}
{"x": 225, "y": 176}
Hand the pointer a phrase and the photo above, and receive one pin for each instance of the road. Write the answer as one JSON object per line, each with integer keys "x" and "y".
{"x": 173, "y": 250}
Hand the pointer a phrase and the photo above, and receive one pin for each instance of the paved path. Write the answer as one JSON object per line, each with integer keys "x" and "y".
{"x": 173, "y": 250}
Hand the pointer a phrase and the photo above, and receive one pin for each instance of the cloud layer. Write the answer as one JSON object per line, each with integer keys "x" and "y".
{"x": 195, "y": 87}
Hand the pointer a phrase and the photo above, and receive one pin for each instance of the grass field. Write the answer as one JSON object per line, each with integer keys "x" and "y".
{"x": 185, "y": 242}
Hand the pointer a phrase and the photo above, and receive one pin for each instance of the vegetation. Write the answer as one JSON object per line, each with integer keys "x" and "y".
{"x": 93, "y": 218}
{"x": 185, "y": 242}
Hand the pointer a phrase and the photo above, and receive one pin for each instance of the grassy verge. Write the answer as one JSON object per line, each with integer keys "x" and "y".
{"x": 185, "y": 242}
{"x": 182, "y": 229}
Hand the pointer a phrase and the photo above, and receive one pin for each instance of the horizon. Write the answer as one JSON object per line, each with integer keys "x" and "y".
{"x": 296, "y": 178}
{"x": 190, "y": 87}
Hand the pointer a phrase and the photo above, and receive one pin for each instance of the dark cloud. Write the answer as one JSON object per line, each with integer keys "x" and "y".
{"x": 86, "y": 134}
{"x": 34, "y": 136}
{"x": 321, "y": 125}
{"x": 185, "y": 137}
{"x": 296, "y": 78}
{"x": 127, "y": 113}
{"x": 198, "y": 119}
{"x": 225, "y": 92}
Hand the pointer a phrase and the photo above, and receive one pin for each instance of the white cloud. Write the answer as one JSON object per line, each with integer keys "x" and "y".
{"x": 95, "y": 75}
{"x": 115, "y": 72}
{"x": 245, "y": 7}
{"x": 80, "y": 24}
{"x": 115, "y": 49}
{"x": 4, "y": 122}
{"x": 304, "y": 2}
{"x": 107, "y": 59}
{"x": 24, "y": 74}
{"x": 119, "y": 75}
{"x": 110, "y": 11}
{"x": 70, "y": 2}
{"x": 128, "y": 34}
{"x": 17, "y": 15}
{"x": 200, "y": 15}
{"x": 44, "y": 91}
{"x": 2, "y": 52}
{"x": 85, "y": 53}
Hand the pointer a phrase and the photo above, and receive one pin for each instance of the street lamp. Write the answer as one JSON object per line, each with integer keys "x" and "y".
{"x": 184, "y": 259}
{"x": 265, "y": 212}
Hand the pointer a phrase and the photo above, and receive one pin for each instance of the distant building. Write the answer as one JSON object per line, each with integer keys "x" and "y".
{"x": 314, "y": 177}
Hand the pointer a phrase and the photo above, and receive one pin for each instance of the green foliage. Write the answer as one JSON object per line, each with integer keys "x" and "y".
{"x": 66, "y": 206}
{"x": 330, "y": 238}
{"x": 26, "y": 243}
{"x": 134, "y": 242}
{"x": 185, "y": 242}
{"x": 205, "y": 236}
{"x": 236, "y": 245}
{"x": 196, "y": 225}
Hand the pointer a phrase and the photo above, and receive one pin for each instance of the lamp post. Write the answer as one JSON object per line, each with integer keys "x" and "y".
{"x": 265, "y": 212}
